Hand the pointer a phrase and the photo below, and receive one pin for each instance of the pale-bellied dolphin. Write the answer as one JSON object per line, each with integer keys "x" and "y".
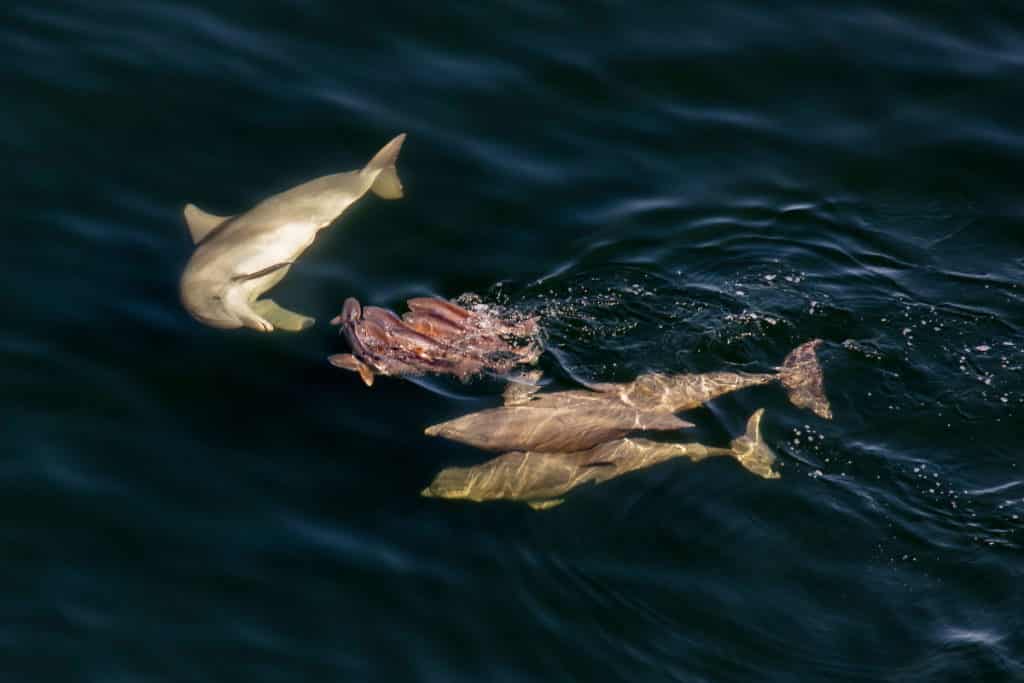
{"x": 541, "y": 479}
{"x": 435, "y": 337}
{"x": 578, "y": 419}
{"x": 238, "y": 258}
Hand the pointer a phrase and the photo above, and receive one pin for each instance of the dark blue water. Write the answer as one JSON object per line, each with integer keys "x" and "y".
{"x": 673, "y": 188}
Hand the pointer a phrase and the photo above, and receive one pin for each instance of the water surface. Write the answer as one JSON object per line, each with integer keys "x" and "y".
{"x": 672, "y": 188}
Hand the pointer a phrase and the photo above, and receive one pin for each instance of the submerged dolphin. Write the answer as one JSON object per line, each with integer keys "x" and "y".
{"x": 541, "y": 479}
{"x": 238, "y": 258}
{"x": 558, "y": 422}
{"x": 800, "y": 374}
{"x": 579, "y": 419}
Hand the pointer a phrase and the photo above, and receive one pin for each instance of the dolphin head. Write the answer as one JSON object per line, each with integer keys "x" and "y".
{"x": 209, "y": 302}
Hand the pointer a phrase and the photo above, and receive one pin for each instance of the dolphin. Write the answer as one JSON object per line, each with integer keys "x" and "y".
{"x": 579, "y": 419}
{"x": 557, "y": 422}
{"x": 238, "y": 258}
{"x": 800, "y": 375}
{"x": 541, "y": 479}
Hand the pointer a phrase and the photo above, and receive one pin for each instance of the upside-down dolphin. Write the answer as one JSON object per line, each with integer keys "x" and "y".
{"x": 238, "y": 258}
{"x": 579, "y": 419}
{"x": 541, "y": 479}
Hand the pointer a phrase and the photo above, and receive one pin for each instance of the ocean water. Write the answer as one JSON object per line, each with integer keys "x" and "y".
{"x": 672, "y": 187}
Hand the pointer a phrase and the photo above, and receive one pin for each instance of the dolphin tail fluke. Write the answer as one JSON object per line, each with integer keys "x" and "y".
{"x": 751, "y": 450}
{"x": 386, "y": 185}
{"x": 801, "y": 375}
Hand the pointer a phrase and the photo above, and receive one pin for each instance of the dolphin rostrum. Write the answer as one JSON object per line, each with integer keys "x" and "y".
{"x": 238, "y": 258}
{"x": 579, "y": 419}
{"x": 541, "y": 479}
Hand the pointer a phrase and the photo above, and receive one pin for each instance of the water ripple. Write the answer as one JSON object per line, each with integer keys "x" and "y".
{"x": 671, "y": 188}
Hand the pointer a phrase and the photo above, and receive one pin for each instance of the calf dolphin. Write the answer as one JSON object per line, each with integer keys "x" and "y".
{"x": 238, "y": 258}
{"x": 541, "y": 479}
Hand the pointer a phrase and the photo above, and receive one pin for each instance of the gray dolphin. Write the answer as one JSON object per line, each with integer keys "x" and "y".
{"x": 556, "y": 422}
{"x": 541, "y": 479}
{"x": 800, "y": 375}
{"x": 579, "y": 419}
{"x": 238, "y": 258}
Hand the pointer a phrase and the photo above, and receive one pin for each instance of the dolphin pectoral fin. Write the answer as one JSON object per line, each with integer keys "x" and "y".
{"x": 545, "y": 504}
{"x": 201, "y": 224}
{"x": 660, "y": 420}
{"x": 347, "y": 361}
{"x": 281, "y": 318}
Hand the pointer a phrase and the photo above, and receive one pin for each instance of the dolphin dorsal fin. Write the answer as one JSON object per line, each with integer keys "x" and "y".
{"x": 200, "y": 223}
